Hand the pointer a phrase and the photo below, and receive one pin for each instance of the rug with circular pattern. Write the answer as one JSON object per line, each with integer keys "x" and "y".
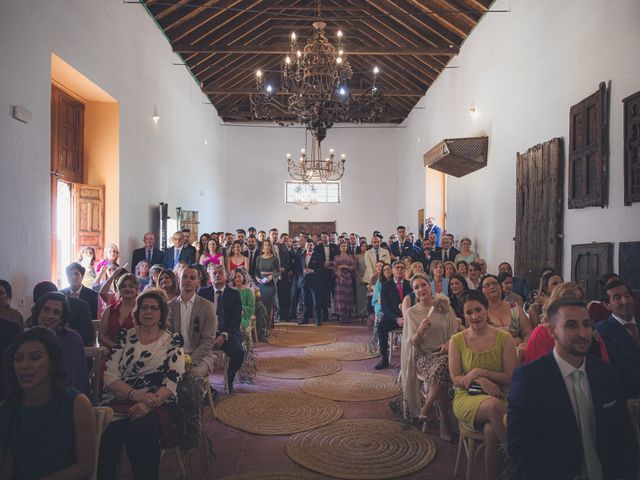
{"x": 277, "y": 413}
{"x": 298, "y": 366}
{"x": 342, "y": 351}
{"x": 352, "y": 386}
{"x": 272, "y": 476}
{"x": 362, "y": 449}
{"x": 299, "y": 340}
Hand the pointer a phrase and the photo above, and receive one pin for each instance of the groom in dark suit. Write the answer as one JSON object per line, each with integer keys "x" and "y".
{"x": 391, "y": 295}
{"x": 228, "y": 307}
{"x": 567, "y": 412}
{"x": 322, "y": 264}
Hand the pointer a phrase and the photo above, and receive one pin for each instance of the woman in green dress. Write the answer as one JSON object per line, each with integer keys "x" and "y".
{"x": 481, "y": 360}
{"x": 266, "y": 276}
{"x": 240, "y": 283}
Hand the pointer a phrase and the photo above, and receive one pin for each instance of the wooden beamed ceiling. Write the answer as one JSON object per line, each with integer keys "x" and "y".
{"x": 224, "y": 42}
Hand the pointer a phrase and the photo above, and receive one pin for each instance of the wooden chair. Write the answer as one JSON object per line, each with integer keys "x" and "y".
{"x": 182, "y": 471}
{"x": 520, "y": 352}
{"x": 212, "y": 407}
{"x": 224, "y": 358}
{"x": 471, "y": 441}
{"x": 96, "y": 325}
{"x": 394, "y": 335}
{"x": 253, "y": 330}
{"x": 98, "y": 356}
{"x": 103, "y": 417}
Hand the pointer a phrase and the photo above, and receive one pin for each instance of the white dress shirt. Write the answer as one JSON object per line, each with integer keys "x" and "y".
{"x": 185, "y": 315}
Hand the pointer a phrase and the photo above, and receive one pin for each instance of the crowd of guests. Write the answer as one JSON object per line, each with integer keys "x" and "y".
{"x": 461, "y": 326}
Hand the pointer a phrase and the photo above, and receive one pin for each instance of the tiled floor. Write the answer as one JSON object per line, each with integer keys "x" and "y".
{"x": 241, "y": 452}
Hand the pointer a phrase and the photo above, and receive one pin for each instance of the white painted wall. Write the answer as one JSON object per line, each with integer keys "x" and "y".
{"x": 257, "y": 170}
{"x": 522, "y": 71}
{"x": 119, "y": 48}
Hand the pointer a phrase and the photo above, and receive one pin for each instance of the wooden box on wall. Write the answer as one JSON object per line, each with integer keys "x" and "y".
{"x": 588, "y": 263}
{"x": 458, "y": 156}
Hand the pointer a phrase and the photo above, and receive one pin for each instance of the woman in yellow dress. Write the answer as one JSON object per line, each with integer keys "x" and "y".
{"x": 481, "y": 360}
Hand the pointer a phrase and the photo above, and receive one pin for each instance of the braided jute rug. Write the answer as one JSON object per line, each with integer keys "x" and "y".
{"x": 277, "y": 413}
{"x": 365, "y": 449}
{"x": 298, "y": 366}
{"x": 298, "y": 340}
{"x": 342, "y": 351}
{"x": 272, "y": 476}
{"x": 352, "y": 386}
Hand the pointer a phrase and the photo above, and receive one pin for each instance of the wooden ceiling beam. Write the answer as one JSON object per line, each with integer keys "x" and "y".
{"x": 355, "y": 91}
{"x": 284, "y": 49}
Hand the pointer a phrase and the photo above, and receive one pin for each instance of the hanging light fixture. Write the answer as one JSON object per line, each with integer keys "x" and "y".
{"x": 315, "y": 79}
{"x": 311, "y": 166}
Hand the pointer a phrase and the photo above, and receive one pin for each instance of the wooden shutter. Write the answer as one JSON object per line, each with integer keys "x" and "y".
{"x": 632, "y": 149}
{"x": 539, "y": 210}
{"x": 89, "y": 217}
{"x": 588, "y": 263}
{"x": 588, "y": 151}
{"x": 67, "y": 133}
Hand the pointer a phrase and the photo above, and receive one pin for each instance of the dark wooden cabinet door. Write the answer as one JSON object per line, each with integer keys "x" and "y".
{"x": 311, "y": 227}
{"x": 632, "y": 149}
{"x": 588, "y": 263}
{"x": 67, "y": 133}
{"x": 588, "y": 131}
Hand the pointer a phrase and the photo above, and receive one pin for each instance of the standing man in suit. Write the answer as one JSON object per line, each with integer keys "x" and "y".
{"x": 391, "y": 295}
{"x": 402, "y": 247}
{"x": 178, "y": 252}
{"x": 228, "y": 306}
{"x": 186, "y": 240}
{"x": 322, "y": 264}
{"x": 431, "y": 227}
{"x": 620, "y": 335}
{"x": 148, "y": 252}
{"x": 302, "y": 285}
{"x": 374, "y": 255}
{"x": 195, "y": 318}
{"x": 447, "y": 252}
{"x": 284, "y": 283}
{"x": 75, "y": 274}
{"x": 567, "y": 412}
{"x": 252, "y": 253}
{"x": 352, "y": 246}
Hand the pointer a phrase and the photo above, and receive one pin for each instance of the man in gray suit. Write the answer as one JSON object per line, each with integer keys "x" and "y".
{"x": 195, "y": 318}
{"x": 372, "y": 256}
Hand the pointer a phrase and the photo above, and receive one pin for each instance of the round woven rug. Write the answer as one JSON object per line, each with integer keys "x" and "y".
{"x": 342, "y": 351}
{"x": 277, "y": 413}
{"x": 272, "y": 476}
{"x": 350, "y": 386}
{"x": 365, "y": 449}
{"x": 297, "y": 367}
{"x": 297, "y": 340}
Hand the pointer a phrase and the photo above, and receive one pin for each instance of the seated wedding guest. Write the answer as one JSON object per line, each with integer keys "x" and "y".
{"x": 79, "y": 312}
{"x": 519, "y": 285}
{"x": 6, "y": 312}
{"x": 392, "y": 293}
{"x": 9, "y": 331}
{"x": 439, "y": 284}
{"x": 449, "y": 270}
{"x": 620, "y": 335}
{"x": 154, "y": 276}
{"x": 52, "y": 311}
{"x": 142, "y": 272}
{"x": 465, "y": 253}
{"x": 567, "y": 412}
{"x": 212, "y": 254}
{"x": 473, "y": 279}
{"x": 141, "y": 378}
{"x": 541, "y": 343}
{"x": 462, "y": 268}
{"x": 483, "y": 267}
{"x": 428, "y": 326}
{"x": 228, "y": 307}
{"x": 241, "y": 283}
{"x": 109, "y": 289}
{"x": 236, "y": 259}
{"x": 457, "y": 289}
{"x": 201, "y": 245}
{"x": 597, "y": 308}
{"x": 506, "y": 282}
{"x": 47, "y": 429}
{"x": 407, "y": 263}
{"x": 88, "y": 259}
{"x": 414, "y": 269}
{"x": 502, "y": 314}
{"x": 119, "y": 315}
{"x": 111, "y": 255}
{"x": 481, "y": 360}
{"x": 149, "y": 253}
{"x": 195, "y": 319}
{"x": 548, "y": 281}
{"x": 179, "y": 268}
{"x": 75, "y": 273}
{"x": 168, "y": 282}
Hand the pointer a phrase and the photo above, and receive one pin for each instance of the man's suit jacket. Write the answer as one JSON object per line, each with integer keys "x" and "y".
{"x": 89, "y": 296}
{"x": 434, "y": 229}
{"x": 186, "y": 254}
{"x": 370, "y": 261}
{"x": 543, "y": 436}
{"x": 299, "y": 262}
{"x": 451, "y": 254}
{"x": 139, "y": 254}
{"x": 390, "y": 299}
{"x": 624, "y": 354}
{"x": 202, "y": 328}
{"x": 229, "y": 312}
{"x": 252, "y": 262}
{"x": 405, "y": 250}
{"x": 320, "y": 260}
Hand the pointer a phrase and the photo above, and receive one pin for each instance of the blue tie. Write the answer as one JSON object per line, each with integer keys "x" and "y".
{"x": 176, "y": 258}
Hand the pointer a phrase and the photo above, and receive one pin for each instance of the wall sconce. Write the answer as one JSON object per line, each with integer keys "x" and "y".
{"x": 155, "y": 117}
{"x": 472, "y": 111}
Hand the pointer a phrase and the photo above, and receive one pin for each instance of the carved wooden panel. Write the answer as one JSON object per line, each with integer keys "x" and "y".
{"x": 67, "y": 133}
{"x": 588, "y": 151}
{"x": 588, "y": 263}
{"x": 629, "y": 265}
{"x": 632, "y": 148}
{"x": 89, "y": 217}
{"x": 311, "y": 227}
{"x": 539, "y": 209}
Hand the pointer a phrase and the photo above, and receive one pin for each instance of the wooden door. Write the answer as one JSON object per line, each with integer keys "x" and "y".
{"x": 311, "y": 227}
{"x": 67, "y": 132}
{"x": 539, "y": 210}
{"x": 632, "y": 148}
{"x": 88, "y": 208}
{"x": 588, "y": 263}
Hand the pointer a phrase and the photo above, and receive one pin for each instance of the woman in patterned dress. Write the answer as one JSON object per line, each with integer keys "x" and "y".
{"x": 344, "y": 267}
